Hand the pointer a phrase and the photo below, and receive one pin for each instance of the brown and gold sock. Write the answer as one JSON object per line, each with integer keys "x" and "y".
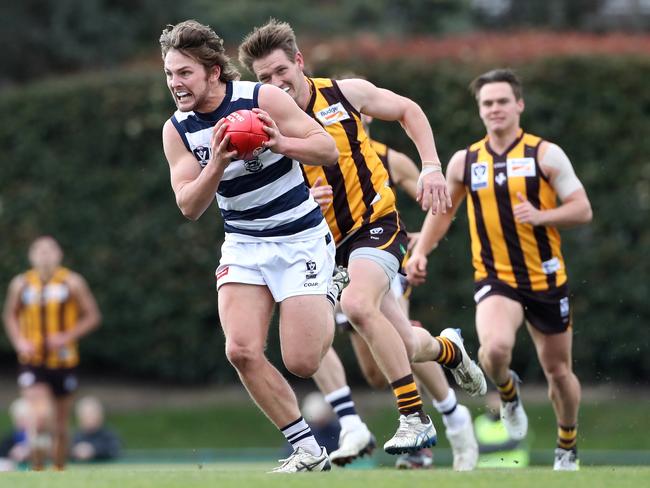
{"x": 408, "y": 398}
{"x": 450, "y": 354}
{"x": 508, "y": 390}
{"x": 567, "y": 437}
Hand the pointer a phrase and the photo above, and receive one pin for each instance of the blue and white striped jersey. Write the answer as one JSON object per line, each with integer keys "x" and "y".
{"x": 261, "y": 199}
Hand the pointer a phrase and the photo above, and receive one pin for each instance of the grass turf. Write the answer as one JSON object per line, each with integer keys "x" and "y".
{"x": 251, "y": 475}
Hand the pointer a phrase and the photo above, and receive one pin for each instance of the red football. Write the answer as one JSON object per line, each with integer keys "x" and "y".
{"x": 246, "y": 134}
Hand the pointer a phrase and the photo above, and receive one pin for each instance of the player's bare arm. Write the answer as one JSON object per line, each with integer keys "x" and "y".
{"x": 404, "y": 172}
{"x": 387, "y": 105}
{"x": 89, "y": 315}
{"x": 435, "y": 227}
{"x": 292, "y": 132}
{"x": 195, "y": 189}
{"x": 10, "y": 316}
{"x": 575, "y": 208}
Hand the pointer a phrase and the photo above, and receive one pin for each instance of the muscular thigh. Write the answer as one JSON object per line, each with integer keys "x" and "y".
{"x": 553, "y": 350}
{"x": 245, "y": 312}
{"x": 497, "y": 320}
{"x": 306, "y": 321}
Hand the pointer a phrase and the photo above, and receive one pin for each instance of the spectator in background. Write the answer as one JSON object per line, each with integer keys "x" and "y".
{"x": 93, "y": 441}
{"x": 14, "y": 447}
{"x": 47, "y": 310}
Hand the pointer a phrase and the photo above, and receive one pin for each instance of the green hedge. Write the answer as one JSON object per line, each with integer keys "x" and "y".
{"x": 82, "y": 160}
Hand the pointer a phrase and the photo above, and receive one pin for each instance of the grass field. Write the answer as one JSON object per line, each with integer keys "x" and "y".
{"x": 254, "y": 475}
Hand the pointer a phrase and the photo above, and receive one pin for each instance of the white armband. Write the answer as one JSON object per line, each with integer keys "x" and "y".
{"x": 565, "y": 181}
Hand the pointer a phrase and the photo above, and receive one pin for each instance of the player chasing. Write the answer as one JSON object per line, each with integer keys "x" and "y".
{"x": 277, "y": 247}
{"x": 512, "y": 181}
{"x": 403, "y": 173}
{"x": 370, "y": 237}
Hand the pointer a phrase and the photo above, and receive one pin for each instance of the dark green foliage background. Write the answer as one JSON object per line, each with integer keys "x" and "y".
{"x": 82, "y": 160}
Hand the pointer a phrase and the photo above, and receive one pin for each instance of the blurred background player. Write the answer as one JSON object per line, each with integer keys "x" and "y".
{"x": 47, "y": 310}
{"x": 92, "y": 440}
{"x": 370, "y": 237}
{"x": 513, "y": 181}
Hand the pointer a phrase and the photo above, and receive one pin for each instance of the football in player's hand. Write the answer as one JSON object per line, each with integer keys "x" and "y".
{"x": 246, "y": 133}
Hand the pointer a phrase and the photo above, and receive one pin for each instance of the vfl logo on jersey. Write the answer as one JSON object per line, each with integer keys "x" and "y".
{"x": 500, "y": 178}
{"x": 332, "y": 114}
{"x": 521, "y": 167}
{"x": 479, "y": 175}
{"x": 202, "y": 155}
{"x": 311, "y": 270}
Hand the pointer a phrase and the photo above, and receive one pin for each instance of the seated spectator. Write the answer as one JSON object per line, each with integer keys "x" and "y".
{"x": 93, "y": 441}
{"x": 14, "y": 447}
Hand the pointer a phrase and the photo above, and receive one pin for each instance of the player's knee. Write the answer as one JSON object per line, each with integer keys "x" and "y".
{"x": 494, "y": 353}
{"x": 557, "y": 372}
{"x": 303, "y": 366}
{"x": 357, "y": 308}
{"x": 241, "y": 356}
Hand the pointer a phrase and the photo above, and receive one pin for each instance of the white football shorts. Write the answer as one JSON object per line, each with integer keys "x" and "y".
{"x": 287, "y": 268}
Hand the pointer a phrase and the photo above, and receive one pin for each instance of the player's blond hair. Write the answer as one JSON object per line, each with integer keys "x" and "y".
{"x": 201, "y": 43}
{"x": 266, "y": 39}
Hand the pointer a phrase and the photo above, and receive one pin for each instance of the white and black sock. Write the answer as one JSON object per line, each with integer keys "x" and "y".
{"x": 298, "y": 434}
{"x": 343, "y": 406}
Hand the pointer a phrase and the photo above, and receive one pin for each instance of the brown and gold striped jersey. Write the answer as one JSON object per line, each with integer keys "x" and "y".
{"x": 382, "y": 151}
{"x": 521, "y": 255}
{"x": 47, "y": 308}
{"x": 359, "y": 180}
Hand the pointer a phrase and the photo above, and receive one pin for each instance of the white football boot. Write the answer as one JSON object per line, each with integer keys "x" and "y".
{"x": 411, "y": 435}
{"x": 467, "y": 374}
{"x": 463, "y": 443}
{"x": 513, "y": 415}
{"x": 302, "y": 461}
{"x": 353, "y": 444}
{"x": 566, "y": 460}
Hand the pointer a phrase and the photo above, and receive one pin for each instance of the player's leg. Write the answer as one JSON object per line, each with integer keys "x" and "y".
{"x": 369, "y": 368}
{"x": 38, "y": 396}
{"x": 62, "y": 411}
{"x": 361, "y": 302}
{"x": 498, "y": 318}
{"x": 245, "y": 312}
{"x": 446, "y": 349}
{"x": 355, "y": 439}
{"x": 554, "y": 352}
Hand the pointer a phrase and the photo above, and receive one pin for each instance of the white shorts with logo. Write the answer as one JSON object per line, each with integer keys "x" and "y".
{"x": 287, "y": 268}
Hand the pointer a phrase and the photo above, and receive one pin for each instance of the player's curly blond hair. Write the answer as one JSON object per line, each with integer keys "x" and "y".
{"x": 201, "y": 43}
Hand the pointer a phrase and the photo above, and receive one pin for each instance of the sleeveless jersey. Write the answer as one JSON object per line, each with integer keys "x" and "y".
{"x": 382, "y": 151}
{"x": 359, "y": 180}
{"x": 46, "y": 309}
{"x": 265, "y": 198}
{"x": 521, "y": 255}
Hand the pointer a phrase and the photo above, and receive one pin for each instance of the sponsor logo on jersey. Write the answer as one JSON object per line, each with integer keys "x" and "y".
{"x": 332, "y": 114}
{"x": 521, "y": 167}
{"x": 551, "y": 266}
{"x": 479, "y": 175}
{"x": 500, "y": 178}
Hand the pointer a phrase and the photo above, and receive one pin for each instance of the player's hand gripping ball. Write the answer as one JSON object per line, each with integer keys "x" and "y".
{"x": 246, "y": 133}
